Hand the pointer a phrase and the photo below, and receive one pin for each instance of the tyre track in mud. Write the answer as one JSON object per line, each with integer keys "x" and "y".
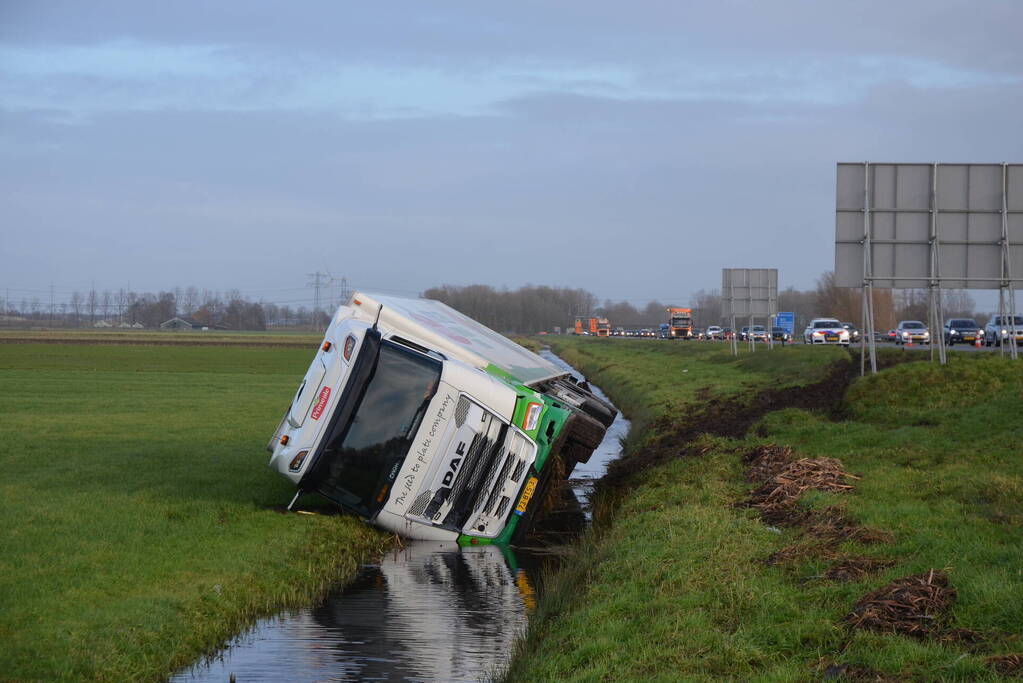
{"x": 727, "y": 417}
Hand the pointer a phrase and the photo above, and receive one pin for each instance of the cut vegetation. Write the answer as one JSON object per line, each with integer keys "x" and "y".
{"x": 778, "y": 518}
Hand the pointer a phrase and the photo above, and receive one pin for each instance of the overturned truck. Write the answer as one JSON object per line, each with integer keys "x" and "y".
{"x": 428, "y": 424}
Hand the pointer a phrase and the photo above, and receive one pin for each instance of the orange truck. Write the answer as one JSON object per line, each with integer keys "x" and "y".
{"x": 680, "y": 323}
{"x": 584, "y": 325}
{"x": 595, "y": 327}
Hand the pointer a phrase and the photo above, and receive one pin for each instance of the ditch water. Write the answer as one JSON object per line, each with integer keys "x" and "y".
{"x": 427, "y": 612}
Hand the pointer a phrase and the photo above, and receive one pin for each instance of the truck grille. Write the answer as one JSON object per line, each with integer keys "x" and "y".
{"x": 468, "y": 491}
{"x": 471, "y": 486}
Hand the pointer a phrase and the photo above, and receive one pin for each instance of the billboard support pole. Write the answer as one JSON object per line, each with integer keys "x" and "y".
{"x": 865, "y": 328}
{"x": 868, "y": 270}
{"x": 735, "y": 342}
{"x": 937, "y": 317}
{"x": 1001, "y": 317}
{"x": 1007, "y": 262}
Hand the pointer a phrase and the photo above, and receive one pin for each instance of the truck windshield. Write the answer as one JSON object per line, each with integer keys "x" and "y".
{"x": 681, "y": 322}
{"x": 360, "y": 457}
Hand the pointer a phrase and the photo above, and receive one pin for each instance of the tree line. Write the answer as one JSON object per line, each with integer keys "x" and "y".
{"x": 125, "y": 308}
{"x": 525, "y": 310}
{"x": 532, "y": 309}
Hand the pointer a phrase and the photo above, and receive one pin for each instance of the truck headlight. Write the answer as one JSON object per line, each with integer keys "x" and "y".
{"x": 532, "y": 416}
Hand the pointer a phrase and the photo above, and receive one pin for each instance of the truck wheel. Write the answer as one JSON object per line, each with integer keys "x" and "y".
{"x": 599, "y": 411}
{"x": 584, "y": 435}
{"x": 585, "y": 431}
{"x": 580, "y": 397}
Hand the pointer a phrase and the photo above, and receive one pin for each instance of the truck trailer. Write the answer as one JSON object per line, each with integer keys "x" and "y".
{"x": 432, "y": 426}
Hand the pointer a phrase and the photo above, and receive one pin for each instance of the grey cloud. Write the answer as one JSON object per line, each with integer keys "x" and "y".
{"x": 637, "y": 191}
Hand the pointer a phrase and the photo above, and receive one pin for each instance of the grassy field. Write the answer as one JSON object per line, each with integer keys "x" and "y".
{"x": 294, "y": 339}
{"x": 681, "y": 578}
{"x": 138, "y": 528}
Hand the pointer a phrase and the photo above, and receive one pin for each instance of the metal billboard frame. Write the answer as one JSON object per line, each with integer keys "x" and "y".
{"x": 756, "y": 291}
{"x": 930, "y": 226}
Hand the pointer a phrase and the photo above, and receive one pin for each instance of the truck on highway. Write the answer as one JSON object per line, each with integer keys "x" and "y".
{"x": 586, "y": 325}
{"x": 430, "y": 425}
{"x": 603, "y": 327}
{"x": 680, "y": 323}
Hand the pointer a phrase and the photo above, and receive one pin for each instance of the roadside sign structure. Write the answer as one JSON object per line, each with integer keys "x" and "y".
{"x": 786, "y": 321}
{"x": 748, "y": 293}
{"x": 929, "y": 226}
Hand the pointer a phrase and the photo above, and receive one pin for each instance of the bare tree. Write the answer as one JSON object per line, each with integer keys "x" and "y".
{"x": 106, "y": 301}
{"x": 91, "y": 304}
{"x": 76, "y": 307}
{"x": 191, "y": 301}
{"x": 707, "y": 308}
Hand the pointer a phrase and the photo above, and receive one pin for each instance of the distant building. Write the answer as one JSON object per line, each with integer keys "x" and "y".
{"x": 177, "y": 323}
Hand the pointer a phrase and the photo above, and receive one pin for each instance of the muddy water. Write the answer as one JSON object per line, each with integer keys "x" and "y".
{"x": 428, "y": 612}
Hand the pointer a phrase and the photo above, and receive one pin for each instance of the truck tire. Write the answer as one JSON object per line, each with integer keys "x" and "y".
{"x": 585, "y": 431}
{"x": 577, "y": 396}
{"x": 583, "y": 435}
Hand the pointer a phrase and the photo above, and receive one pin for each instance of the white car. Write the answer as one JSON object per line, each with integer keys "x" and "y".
{"x": 715, "y": 332}
{"x": 909, "y": 331}
{"x": 825, "y": 331}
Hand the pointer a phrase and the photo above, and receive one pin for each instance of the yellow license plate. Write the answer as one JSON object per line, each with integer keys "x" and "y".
{"x": 527, "y": 493}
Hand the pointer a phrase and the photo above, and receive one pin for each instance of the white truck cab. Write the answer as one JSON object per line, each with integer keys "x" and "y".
{"x": 430, "y": 425}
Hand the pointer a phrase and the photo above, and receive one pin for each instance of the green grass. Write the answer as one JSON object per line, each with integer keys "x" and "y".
{"x": 292, "y": 338}
{"x": 137, "y": 527}
{"x": 672, "y": 582}
{"x": 654, "y": 378}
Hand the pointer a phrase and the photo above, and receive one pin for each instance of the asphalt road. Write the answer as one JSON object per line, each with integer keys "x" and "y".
{"x": 967, "y": 348}
{"x": 957, "y": 347}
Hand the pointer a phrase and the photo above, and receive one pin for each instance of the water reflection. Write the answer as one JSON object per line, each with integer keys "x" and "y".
{"x": 428, "y": 612}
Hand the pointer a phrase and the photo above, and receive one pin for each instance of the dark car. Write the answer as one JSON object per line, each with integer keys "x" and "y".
{"x": 962, "y": 331}
{"x": 891, "y": 336}
{"x": 780, "y": 334}
{"x": 744, "y": 333}
{"x": 854, "y": 332}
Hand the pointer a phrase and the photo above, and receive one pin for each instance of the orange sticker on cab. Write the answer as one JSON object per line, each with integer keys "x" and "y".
{"x": 527, "y": 493}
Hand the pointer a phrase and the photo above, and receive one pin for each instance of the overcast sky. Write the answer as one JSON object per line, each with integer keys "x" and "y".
{"x": 629, "y": 148}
